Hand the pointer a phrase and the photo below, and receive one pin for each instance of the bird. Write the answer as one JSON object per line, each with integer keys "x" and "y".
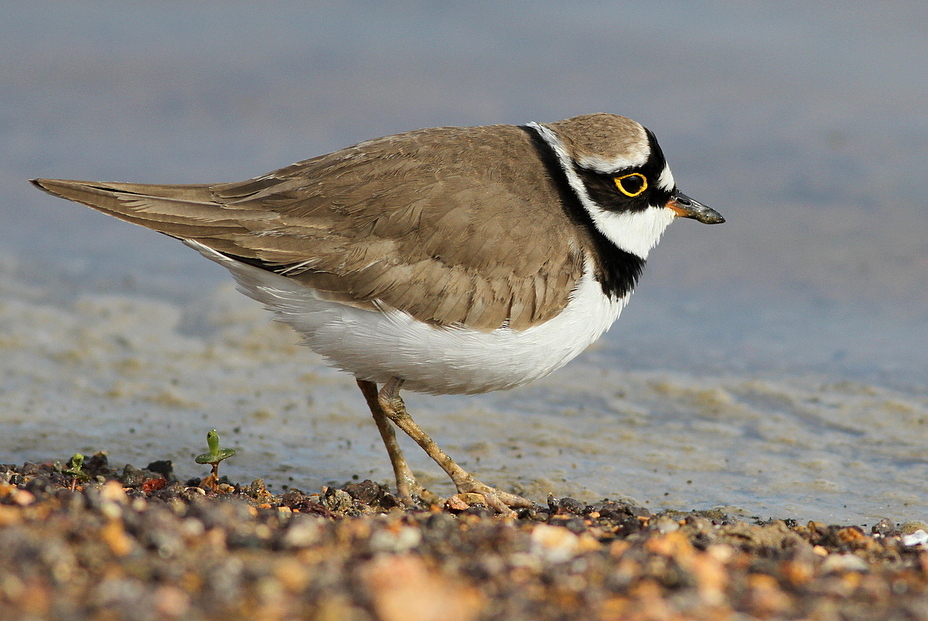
{"x": 446, "y": 260}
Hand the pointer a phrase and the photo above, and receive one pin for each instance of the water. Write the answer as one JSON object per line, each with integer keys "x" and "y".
{"x": 774, "y": 365}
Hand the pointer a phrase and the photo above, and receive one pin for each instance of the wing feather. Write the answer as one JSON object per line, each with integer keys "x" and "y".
{"x": 485, "y": 242}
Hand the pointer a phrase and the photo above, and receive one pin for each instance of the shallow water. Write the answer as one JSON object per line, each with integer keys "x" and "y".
{"x": 774, "y": 365}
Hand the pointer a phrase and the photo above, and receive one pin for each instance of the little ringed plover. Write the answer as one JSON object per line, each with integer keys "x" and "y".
{"x": 443, "y": 260}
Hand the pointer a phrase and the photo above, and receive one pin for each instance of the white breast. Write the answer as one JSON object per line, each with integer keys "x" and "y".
{"x": 376, "y": 346}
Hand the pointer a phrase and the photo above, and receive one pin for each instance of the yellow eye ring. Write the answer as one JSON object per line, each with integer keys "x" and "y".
{"x": 638, "y": 184}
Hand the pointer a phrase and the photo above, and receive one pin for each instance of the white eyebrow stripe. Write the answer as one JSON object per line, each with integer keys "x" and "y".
{"x": 610, "y": 166}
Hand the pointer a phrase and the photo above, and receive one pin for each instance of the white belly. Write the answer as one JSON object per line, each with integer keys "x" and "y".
{"x": 376, "y": 346}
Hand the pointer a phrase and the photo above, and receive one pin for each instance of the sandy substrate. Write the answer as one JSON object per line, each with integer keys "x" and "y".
{"x": 129, "y": 543}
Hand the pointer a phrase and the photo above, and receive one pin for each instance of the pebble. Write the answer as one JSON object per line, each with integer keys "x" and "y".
{"x": 118, "y": 547}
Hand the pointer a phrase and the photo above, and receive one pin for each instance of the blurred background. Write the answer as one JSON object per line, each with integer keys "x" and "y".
{"x": 773, "y": 366}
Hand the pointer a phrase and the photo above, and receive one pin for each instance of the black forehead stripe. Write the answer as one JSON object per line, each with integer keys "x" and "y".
{"x": 617, "y": 270}
{"x": 656, "y": 155}
{"x": 656, "y": 162}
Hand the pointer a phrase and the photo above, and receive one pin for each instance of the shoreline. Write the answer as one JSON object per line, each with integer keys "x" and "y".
{"x": 131, "y": 543}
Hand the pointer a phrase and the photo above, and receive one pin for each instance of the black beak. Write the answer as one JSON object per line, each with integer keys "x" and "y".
{"x": 686, "y": 207}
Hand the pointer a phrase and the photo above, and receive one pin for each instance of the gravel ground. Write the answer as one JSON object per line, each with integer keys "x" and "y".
{"x": 128, "y": 543}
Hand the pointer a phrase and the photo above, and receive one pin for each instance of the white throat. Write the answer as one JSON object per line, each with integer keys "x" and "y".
{"x": 635, "y": 232}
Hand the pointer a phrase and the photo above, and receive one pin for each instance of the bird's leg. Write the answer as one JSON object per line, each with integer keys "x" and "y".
{"x": 393, "y": 407}
{"x": 406, "y": 484}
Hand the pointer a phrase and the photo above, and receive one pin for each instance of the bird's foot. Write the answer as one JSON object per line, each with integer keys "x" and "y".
{"x": 387, "y": 406}
{"x": 471, "y": 489}
{"x": 413, "y": 495}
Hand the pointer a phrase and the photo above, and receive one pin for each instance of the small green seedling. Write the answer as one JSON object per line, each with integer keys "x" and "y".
{"x": 75, "y": 469}
{"x": 213, "y": 458}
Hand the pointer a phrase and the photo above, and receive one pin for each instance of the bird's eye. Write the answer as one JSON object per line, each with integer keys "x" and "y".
{"x": 632, "y": 184}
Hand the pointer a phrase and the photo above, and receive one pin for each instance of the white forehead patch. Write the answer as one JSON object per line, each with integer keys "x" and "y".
{"x": 665, "y": 181}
